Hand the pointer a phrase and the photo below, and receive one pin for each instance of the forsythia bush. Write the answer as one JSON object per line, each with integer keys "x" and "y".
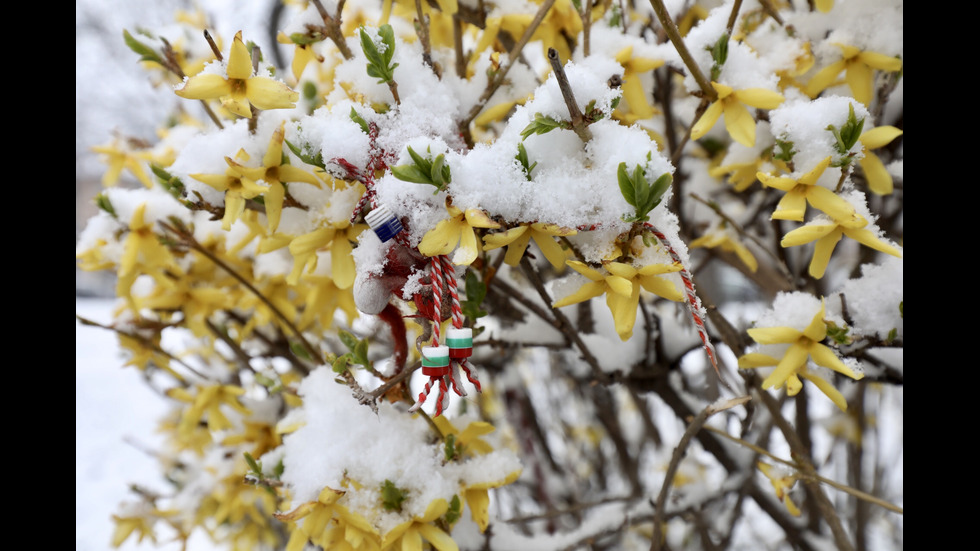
{"x": 429, "y": 281}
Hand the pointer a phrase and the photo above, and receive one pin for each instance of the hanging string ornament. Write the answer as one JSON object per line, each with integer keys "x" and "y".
{"x": 442, "y": 363}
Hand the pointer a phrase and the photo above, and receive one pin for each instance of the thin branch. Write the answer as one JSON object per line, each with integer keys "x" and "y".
{"x": 564, "y": 324}
{"x": 802, "y": 456}
{"x": 833, "y": 483}
{"x": 675, "y": 461}
{"x": 675, "y": 38}
{"x": 332, "y": 26}
{"x": 502, "y": 73}
{"x": 579, "y": 126}
{"x": 188, "y": 239}
{"x": 733, "y": 17}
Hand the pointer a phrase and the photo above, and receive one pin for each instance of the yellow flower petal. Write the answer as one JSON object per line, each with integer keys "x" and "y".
{"x": 550, "y": 248}
{"x": 828, "y": 389}
{"x": 501, "y": 239}
{"x": 623, "y": 309}
{"x": 588, "y": 291}
{"x": 479, "y": 503}
{"x": 707, "y": 120}
{"x": 835, "y": 207}
{"x": 479, "y": 219}
{"x": 208, "y": 86}
{"x": 822, "y": 355}
{"x": 469, "y": 247}
{"x": 822, "y": 253}
{"x": 774, "y": 335}
{"x": 439, "y": 539}
{"x": 342, "y": 263}
{"x": 620, "y": 285}
{"x": 869, "y": 239}
{"x": 881, "y": 61}
{"x": 585, "y": 270}
{"x": 879, "y": 136}
{"x": 806, "y": 234}
{"x": 816, "y": 330}
{"x": 860, "y": 78}
{"x": 267, "y": 93}
{"x": 824, "y": 78}
{"x": 790, "y": 363}
{"x": 239, "y": 60}
{"x": 442, "y": 239}
{"x": 661, "y": 287}
{"x": 237, "y": 103}
{"x": 759, "y": 98}
{"x": 879, "y": 180}
{"x": 755, "y": 359}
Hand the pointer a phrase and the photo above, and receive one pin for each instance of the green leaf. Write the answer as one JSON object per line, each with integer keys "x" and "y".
{"x": 300, "y": 351}
{"x": 455, "y": 510}
{"x": 103, "y": 203}
{"x": 145, "y": 52}
{"x": 639, "y": 193}
{"x": 901, "y": 309}
{"x": 169, "y": 182}
{"x": 411, "y": 173}
{"x": 522, "y": 158}
{"x": 615, "y": 19}
{"x": 350, "y": 341}
{"x": 847, "y": 136}
{"x": 424, "y": 171}
{"x": 360, "y": 121}
{"x": 379, "y": 61}
{"x": 542, "y": 125}
{"x": 252, "y": 464}
{"x": 306, "y": 156}
{"x": 340, "y": 364}
{"x": 361, "y": 353}
{"x": 783, "y": 151}
{"x": 449, "y": 448}
{"x": 719, "y": 53}
{"x": 839, "y": 334}
{"x": 279, "y": 469}
{"x": 892, "y": 334}
{"x": 626, "y": 186}
{"x": 392, "y": 497}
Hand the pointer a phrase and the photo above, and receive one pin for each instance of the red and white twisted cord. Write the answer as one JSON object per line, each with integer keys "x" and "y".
{"x": 436, "y": 276}
{"x": 450, "y": 272}
{"x": 693, "y": 302}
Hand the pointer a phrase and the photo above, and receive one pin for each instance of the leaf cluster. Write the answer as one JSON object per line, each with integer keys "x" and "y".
{"x": 543, "y": 124}
{"x": 846, "y": 136}
{"x": 358, "y": 354}
{"x": 424, "y": 170}
{"x": 379, "y": 60}
{"x": 640, "y": 193}
{"x": 392, "y": 496}
{"x": 522, "y": 158}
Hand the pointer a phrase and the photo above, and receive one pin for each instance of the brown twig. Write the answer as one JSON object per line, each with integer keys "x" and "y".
{"x": 188, "y": 239}
{"x": 332, "y": 27}
{"x": 802, "y": 456}
{"x": 564, "y": 324}
{"x": 675, "y": 38}
{"x": 579, "y": 125}
{"x": 675, "y": 461}
{"x": 512, "y": 56}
